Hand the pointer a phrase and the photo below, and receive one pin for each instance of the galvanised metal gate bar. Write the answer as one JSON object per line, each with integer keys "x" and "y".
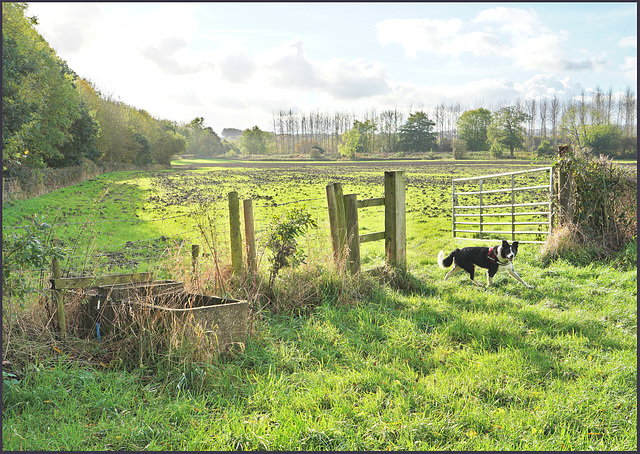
{"x": 481, "y": 208}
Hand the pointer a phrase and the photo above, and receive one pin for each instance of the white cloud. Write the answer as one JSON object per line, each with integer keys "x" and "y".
{"x": 287, "y": 66}
{"x": 69, "y": 28}
{"x": 630, "y": 68}
{"x": 547, "y": 85}
{"x": 344, "y": 79}
{"x": 514, "y": 34}
{"x": 419, "y": 35}
{"x": 520, "y": 24}
{"x": 237, "y": 67}
{"x": 628, "y": 41}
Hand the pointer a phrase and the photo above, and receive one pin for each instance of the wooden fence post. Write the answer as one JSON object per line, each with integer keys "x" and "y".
{"x": 342, "y": 222}
{"x": 353, "y": 234}
{"x": 565, "y": 194}
{"x": 195, "y": 252}
{"x": 332, "y": 207}
{"x": 235, "y": 233}
{"x": 250, "y": 237}
{"x": 57, "y": 298}
{"x": 395, "y": 219}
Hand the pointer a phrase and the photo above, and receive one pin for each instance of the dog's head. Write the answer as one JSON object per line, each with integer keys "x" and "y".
{"x": 508, "y": 251}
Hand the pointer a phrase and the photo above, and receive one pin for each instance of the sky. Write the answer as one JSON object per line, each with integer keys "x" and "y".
{"x": 237, "y": 64}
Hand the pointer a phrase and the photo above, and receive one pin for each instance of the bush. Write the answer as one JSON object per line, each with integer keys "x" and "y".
{"x": 496, "y": 151}
{"x": 604, "y": 206}
{"x": 460, "y": 149}
{"x": 545, "y": 149}
{"x": 283, "y": 240}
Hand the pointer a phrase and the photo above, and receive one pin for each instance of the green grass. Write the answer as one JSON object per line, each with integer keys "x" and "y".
{"x": 428, "y": 366}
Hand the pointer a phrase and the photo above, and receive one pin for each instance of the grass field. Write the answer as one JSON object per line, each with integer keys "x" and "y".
{"x": 350, "y": 364}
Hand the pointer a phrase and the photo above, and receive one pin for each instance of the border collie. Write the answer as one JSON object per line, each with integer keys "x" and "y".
{"x": 494, "y": 259}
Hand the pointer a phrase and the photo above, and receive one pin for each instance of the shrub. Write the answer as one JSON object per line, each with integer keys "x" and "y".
{"x": 283, "y": 239}
{"x": 496, "y": 151}
{"x": 460, "y": 149}
{"x": 604, "y": 207}
{"x": 545, "y": 149}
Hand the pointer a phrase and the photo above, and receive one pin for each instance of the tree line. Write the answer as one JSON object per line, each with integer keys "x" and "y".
{"x": 604, "y": 123}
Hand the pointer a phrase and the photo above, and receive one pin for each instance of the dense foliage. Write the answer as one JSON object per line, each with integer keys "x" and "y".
{"x": 51, "y": 117}
{"x": 41, "y": 110}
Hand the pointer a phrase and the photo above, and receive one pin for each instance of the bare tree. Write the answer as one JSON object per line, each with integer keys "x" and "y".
{"x": 555, "y": 113}
{"x": 531, "y": 109}
{"x": 630, "y": 105}
{"x": 544, "y": 110}
{"x": 609, "y": 106}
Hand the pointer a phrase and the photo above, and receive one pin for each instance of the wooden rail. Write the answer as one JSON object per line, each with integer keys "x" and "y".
{"x": 480, "y": 209}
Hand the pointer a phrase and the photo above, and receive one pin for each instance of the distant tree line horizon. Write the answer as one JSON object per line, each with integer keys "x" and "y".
{"x": 51, "y": 117}
{"x": 603, "y": 122}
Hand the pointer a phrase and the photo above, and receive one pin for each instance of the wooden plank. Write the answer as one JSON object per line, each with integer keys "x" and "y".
{"x": 95, "y": 281}
{"x": 374, "y": 202}
{"x": 375, "y": 236}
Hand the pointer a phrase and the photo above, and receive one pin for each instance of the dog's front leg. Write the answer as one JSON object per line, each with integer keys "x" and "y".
{"x": 489, "y": 279}
{"x": 513, "y": 273}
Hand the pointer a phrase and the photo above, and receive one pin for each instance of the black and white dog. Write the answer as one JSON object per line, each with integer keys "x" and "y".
{"x": 494, "y": 259}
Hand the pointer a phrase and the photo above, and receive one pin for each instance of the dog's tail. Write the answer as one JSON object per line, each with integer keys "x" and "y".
{"x": 445, "y": 262}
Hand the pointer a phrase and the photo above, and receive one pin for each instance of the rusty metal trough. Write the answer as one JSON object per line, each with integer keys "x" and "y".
{"x": 114, "y": 307}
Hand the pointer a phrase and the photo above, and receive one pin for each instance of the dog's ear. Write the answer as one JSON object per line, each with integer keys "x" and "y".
{"x": 505, "y": 243}
{"x": 514, "y": 246}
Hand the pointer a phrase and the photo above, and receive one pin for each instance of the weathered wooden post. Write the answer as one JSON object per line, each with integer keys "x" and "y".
{"x": 353, "y": 234}
{"x": 57, "y": 298}
{"x": 250, "y": 237}
{"x": 565, "y": 186}
{"x": 395, "y": 226}
{"x": 332, "y": 208}
{"x": 235, "y": 233}
{"x": 342, "y": 222}
{"x": 195, "y": 252}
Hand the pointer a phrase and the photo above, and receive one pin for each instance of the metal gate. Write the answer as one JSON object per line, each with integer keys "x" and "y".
{"x": 482, "y": 207}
